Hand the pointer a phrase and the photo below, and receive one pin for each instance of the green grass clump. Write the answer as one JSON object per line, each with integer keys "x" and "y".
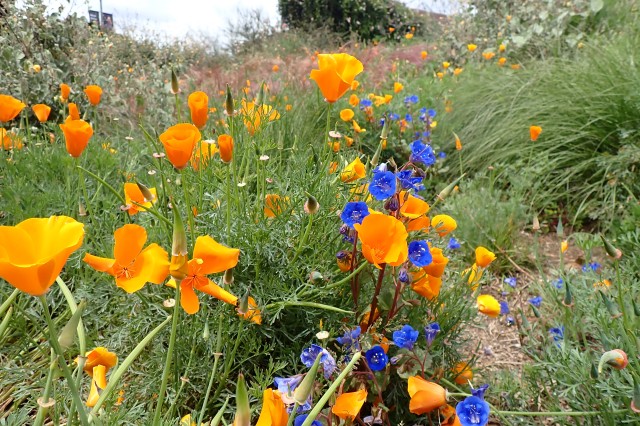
{"x": 589, "y": 109}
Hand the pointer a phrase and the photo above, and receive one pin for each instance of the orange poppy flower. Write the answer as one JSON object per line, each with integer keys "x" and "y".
{"x": 74, "y": 113}
{"x": 354, "y": 171}
{"x": 346, "y": 114}
{"x": 427, "y": 285}
{"x": 133, "y": 266}
{"x": 275, "y": 68}
{"x": 202, "y": 155}
{"x": 488, "y": 55}
{"x": 253, "y": 313}
{"x": 225, "y": 145}
{"x": 449, "y": 416}
{"x": 438, "y": 263}
{"x": 488, "y": 305}
{"x": 9, "y": 140}
{"x": 412, "y": 207}
{"x": 336, "y": 74}
{"x": 502, "y": 61}
{"x": 33, "y": 252}
{"x": 354, "y": 101}
{"x": 384, "y": 240}
{"x": 457, "y": 71}
{"x": 274, "y": 204}
{"x": 98, "y": 362}
{"x": 132, "y": 193}
{"x": 357, "y": 128}
{"x": 463, "y": 373}
{"x": 534, "y": 132}
{"x": 76, "y": 136}
{"x": 421, "y": 223}
{"x": 209, "y": 257}
{"x": 65, "y": 91}
{"x": 425, "y": 396}
{"x": 471, "y": 47}
{"x": 397, "y": 87}
{"x": 199, "y": 107}
{"x": 179, "y": 142}
{"x": 484, "y": 257}
{"x": 42, "y": 112}
{"x": 253, "y": 116}
{"x": 443, "y": 224}
{"x": 475, "y": 275}
{"x": 274, "y": 412}
{"x": 10, "y": 107}
{"x": 348, "y": 404}
{"x": 564, "y": 246}
{"x": 94, "y": 93}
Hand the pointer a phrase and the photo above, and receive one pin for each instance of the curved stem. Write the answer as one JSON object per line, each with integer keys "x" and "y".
{"x": 43, "y": 406}
{"x": 167, "y": 364}
{"x": 303, "y": 241}
{"x": 192, "y": 229}
{"x": 374, "y": 301}
{"x": 5, "y": 305}
{"x": 214, "y": 370}
{"x": 309, "y": 304}
{"x": 53, "y": 341}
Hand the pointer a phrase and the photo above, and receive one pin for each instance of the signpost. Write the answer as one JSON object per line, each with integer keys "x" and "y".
{"x": 104, "y": 21}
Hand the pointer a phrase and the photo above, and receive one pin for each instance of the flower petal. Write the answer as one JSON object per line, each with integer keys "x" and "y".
{"x": 188, "y": 298}
{"x": 215, "y": 257}
{"x": 129, "y": 242}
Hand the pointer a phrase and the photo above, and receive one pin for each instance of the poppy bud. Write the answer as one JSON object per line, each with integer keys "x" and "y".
{"x": 228, "y": 102}
{"x": 243, "y": 305}
{"x": 205, "y": 333}
{"x": 260, "y": 97}
{"x": 535, "y": 310}
{"x": 315, "y": 277}
{"x": 636, "y": 308}
{"x": 635, "y": 402}
{"x": 311, "y": 206}
{"x": 175, "y": 89}
{"x": 523, "y": 318}
{"x": 227, "y": 279}
{"x": 385, "y": 128}
{"x": 146, "y": 193}
{"x": 616, "y": 358}
{"x": 449, "y": 189}
{"x": 179, "y": 267}
{"x": 536, "y": 223}
{"x": 560, "y": 228}
{"x": 305, "y": 388}
{"x": 243, "y": 410}
{"x": 610, "y": 249}
{"x": 392, "y": 204}
{"x": 68, "y": 332}
{"x": 568, "y": 297}
{"x": 611, "y": 307}
{"x": 594, "y": 372}
{"x": 376, "y": 157}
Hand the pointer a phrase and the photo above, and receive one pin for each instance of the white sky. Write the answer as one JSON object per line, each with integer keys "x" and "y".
{"x": 179, "y": 18}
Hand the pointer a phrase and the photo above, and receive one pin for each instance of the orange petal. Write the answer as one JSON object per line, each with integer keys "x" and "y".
{"x": 215, "y": 257}
{"x": 153, "y": 263}
{"x": 188, "y": 298}
{"x": 212, "y": 289}
{"x": 101, "y": 264}
{"x": 129, "y": 242}
{"x": 348, "y": 404}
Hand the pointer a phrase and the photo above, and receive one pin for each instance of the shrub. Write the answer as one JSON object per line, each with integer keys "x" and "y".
{"x": 369, "y": 19}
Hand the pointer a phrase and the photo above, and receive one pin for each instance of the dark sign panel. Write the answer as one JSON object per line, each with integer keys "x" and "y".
{"x": 107, "y": 21}
{"x": 94, "y": 18}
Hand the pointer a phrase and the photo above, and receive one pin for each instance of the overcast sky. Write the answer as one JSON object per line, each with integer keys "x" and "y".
{"x": 178, "y": 18}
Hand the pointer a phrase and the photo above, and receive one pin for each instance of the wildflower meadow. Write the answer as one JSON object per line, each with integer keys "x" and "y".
{"x": 421, "y": 222}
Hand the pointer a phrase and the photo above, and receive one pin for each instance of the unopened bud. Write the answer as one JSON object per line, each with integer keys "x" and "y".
{"x": 179, "y": 267}
{"x": 568, "y": 297}
{"x": 611, "y": 307}
{"x": 616, "y": 358}
{"x": 392, "y": 204}
{"x": 228, "y": 102}
{"x": 311, "y": 206}
{"x": 610, "y": 249}
{"x": 243, "y": 410}
{"x": 305, "y": 388}
{"x": 560, "y": 228}
{"x": 205, "y": 333}
{"x": 228, "y": 279}
{"x": 594, "y": 372}
{"x": 68, "y": 332}
{"x": 175, "y": 89}
{"x": 536, "y": 223}
{"x": 376, "y": 157}
{"x": 315, "y": 277}
{"x": 243, "y": 305}
{"x": 260, "y": 97}
{"x": 385, "y": 128}
{"x": 449, "y": 189}
{"x": 146, "y": 193}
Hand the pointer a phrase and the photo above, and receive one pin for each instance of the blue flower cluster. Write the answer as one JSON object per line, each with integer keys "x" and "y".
{"x": 422, "y": 153}
{"x": 419, "y": 253}
{"x": 350, "y": 339}
{"x": 354, "y": 212}
{"x": 409, "y": 181}
{"x": 406, "y": 337}
{"x": 453, "y": 244}
{"x": 474, "y": 410}
{"x": 310, "y": 354}
{"x": 383, "y": 185}
{"x": 431, "y": 331}
{"x": 376, "y": 358}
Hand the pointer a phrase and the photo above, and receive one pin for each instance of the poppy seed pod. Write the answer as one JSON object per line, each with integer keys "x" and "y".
{"x": 243, "y": 409}
{"x": 305, "y": 388}
{"x": 449, "y": 189}
{"x": 68, "y": 333}
{"x": 146, "y": 192}
{"x": 228, "y": 279}
{"x": 179, "y": 266}
{"x": 311, "y": 206}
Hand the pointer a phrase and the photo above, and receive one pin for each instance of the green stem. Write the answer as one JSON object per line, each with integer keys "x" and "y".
{"x": 5, "y": 305}
{"x": 103, "y": 182}
{"x": 83, "y": 187}
{"x": 228, "y": 203}
{"x": 192, "y": 228}
{"x": 303, "y": 241}
{"x": 293, "y": 413}
{"x": 53, "y": 340}
{"x": 559, "y": 413}
{"x": 178, "y": 112}
{"x": 309, "y": 304}
{"x": 214, "y": 370}
{"x": 116, "y": 375}
{"x": 328, "y": 143}
{"x": 167, "y": 364}
{"x": 42, "y": 410}
{"x": 82, "y": 341}
{"x": 348, "y": 277}
{"x": 325, "y": 398}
